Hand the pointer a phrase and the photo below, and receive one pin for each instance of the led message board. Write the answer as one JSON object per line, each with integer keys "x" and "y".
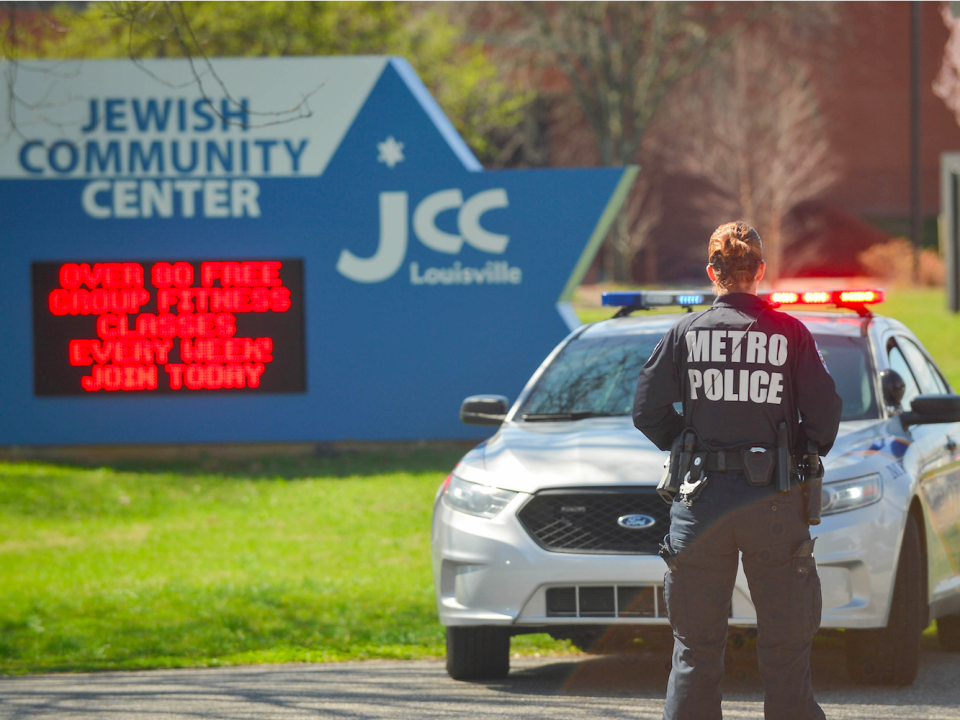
{"x": 143, "y": 207}
{"x": 168, "y": 327}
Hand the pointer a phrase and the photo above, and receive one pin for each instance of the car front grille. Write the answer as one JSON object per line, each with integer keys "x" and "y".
{"x": 624, "y": 601}
{"x": 586, "y": 520}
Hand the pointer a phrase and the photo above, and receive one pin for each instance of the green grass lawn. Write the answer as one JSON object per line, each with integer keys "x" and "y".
{"x": 270, "y": 561}
{"x": 923, "y": 310}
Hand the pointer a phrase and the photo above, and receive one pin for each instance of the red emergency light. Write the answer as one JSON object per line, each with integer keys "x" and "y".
{"x": 861, "y": 296}
{"x": 854, "y": 299}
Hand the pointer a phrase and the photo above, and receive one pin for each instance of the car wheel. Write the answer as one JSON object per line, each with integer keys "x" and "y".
{"x": 948, "y": 631}
{"x": 891, "y": 655}
{"x": 478, "y": 653}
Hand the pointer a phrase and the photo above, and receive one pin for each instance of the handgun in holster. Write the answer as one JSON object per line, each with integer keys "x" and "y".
{"x": 681, "y": 455}
{"x": 785, "y": 463}
{"x": 812, "y": 484}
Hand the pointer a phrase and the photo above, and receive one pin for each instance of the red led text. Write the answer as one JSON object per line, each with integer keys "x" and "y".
{"x": 169, "y": 325}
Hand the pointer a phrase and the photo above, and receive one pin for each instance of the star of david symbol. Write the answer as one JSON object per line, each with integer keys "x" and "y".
{"x": 391, "y": 152}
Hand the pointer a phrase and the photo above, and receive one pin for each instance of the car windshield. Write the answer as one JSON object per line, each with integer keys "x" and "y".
{"x": 597, "y": 376}
{"x": 591, "y": 376}
{"x": 848, "y": 360}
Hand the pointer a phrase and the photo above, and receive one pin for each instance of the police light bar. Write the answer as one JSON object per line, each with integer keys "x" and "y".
{"x": 629, "y": 301}
{"x": 839, "y": 298}
{"x": 648, "y": 299}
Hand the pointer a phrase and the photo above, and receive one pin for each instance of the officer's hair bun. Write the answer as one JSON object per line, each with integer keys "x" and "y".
{"x": 735, "y": 252}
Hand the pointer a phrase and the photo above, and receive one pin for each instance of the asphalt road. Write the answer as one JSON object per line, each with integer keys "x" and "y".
{"x": 554, "y": 688}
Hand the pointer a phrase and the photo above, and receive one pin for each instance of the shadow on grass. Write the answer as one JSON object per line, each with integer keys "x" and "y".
{"x": 147, "y": 488}
{"x": 326, "y": 464}
{"x": 326, "y": 461}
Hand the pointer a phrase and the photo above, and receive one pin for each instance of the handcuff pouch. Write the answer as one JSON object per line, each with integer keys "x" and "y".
{"x": 758, "y": 464}
{"x": 681, "y": 456}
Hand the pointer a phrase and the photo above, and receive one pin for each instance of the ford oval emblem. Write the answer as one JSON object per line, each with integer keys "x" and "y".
{"x": 636, "y": 522}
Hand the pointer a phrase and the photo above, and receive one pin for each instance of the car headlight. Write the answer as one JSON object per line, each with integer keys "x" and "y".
{"x": 851, "y": 494}
{"x": 476, "y": 499}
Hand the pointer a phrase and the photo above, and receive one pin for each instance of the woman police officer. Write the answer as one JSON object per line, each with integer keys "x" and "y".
{"x": 748, "y": 377}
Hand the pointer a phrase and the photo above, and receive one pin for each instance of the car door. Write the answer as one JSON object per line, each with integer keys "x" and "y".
{"x": 939, "y": 479}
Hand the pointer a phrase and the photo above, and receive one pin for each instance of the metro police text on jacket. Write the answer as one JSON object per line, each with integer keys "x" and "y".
{"x": 746, "y": 384}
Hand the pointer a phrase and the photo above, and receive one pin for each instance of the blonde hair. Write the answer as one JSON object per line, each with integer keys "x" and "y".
{"x": 735, "y": 252}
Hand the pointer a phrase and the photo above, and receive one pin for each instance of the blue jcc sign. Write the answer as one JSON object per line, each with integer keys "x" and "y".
{"x": 295, "y": 250}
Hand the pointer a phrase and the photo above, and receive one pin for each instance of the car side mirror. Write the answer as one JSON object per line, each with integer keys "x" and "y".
{"x": 484, "y": 410}
{"x": 932, "y": 409}
{"x": 893, "y": 388}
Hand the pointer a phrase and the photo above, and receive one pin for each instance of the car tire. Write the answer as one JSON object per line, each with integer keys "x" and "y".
{"x": 891, "y": 655}
{"x": 948, "y": 632}
{"x": 478, "y": 653}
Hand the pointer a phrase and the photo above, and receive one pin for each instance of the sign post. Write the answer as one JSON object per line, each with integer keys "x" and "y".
{"x": 950, "y": 224}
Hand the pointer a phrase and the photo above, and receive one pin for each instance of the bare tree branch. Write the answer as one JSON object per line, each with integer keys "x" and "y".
{"x": 621, "y": 60}
{"x": 947, "y": 84}
{"x": 754, "y": 131}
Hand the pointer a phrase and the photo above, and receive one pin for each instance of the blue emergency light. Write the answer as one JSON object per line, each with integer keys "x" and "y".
{"x": 649, "y": 299}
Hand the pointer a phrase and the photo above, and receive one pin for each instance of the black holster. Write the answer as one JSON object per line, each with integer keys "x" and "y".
{"x": 784, "y": 459}
{"x": 812, "y": 484}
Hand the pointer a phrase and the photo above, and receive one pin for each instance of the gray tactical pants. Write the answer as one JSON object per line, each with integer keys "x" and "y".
{"x": 731, "y": 517}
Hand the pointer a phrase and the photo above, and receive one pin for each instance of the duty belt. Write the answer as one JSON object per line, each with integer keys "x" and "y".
{"x": 721, "y": 461}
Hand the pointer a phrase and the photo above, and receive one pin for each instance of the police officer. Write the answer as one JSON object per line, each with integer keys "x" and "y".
{"x": 747, "y": 376}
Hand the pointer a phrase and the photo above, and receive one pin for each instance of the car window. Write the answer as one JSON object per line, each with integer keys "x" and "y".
{"x": 927, "y": 377}
{"x": 938, "y": 378}
{"x": 594, "y": 375}
{"x": 899, "y": 364}
{"x": 848, "y": 360}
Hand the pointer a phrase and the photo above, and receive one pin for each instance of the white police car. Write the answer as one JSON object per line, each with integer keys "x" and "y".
{"x": 553, "y": 524}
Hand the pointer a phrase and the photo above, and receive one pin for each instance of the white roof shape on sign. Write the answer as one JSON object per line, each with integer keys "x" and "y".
{"x": 257, "y": 117}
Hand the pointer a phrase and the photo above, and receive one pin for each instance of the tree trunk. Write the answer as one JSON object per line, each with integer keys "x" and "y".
{"x": 618, "y": 250}
{"x": 773, "y": 248}
{"x": 650, "y": 263}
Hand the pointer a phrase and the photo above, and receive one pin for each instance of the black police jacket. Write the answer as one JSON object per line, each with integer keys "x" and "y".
{"x": 740, "y": 368}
